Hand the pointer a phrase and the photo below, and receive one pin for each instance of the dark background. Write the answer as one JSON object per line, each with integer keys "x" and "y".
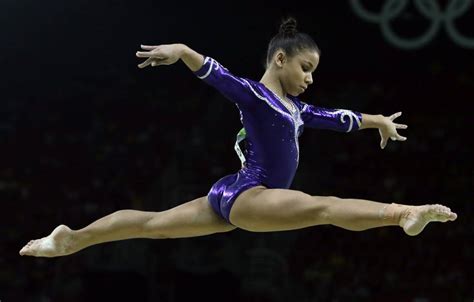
{"x": 84, "y": 133}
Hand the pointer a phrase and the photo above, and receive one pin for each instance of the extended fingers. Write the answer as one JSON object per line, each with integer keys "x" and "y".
{"x": 383, "y": 140}
{"x": 143, "y": 54}
{"x": 146, "y": 63}
{"x": 395, "y": 115}
{"x": 401, "y": 138}
{"x": 401, "y": 126}
{"x": 148, "y": 47}
{"x": 152, "y": 61}
{"x": 148, "y": 54}
{"x": 398, "y": 138}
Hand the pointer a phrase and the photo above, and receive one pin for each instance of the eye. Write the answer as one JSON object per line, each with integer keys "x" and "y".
{"x": 305, "y": 68}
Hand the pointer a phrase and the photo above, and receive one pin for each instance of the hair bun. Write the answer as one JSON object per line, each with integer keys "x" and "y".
{"x": 288, "y": 27}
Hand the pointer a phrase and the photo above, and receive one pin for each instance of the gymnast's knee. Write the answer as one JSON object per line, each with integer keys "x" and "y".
{"x": 323, "y": 205}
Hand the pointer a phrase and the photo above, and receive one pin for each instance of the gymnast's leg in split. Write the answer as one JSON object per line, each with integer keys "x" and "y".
{"x": 257, "y": 209}
{"x": 190, "y": 219}
{"x": 268, "y": 210}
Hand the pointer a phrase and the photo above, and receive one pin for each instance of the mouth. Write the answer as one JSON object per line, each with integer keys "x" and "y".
{"x": 303, "y": 87}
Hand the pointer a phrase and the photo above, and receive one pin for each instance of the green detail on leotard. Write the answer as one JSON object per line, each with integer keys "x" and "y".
{"x": 240, "y": 137}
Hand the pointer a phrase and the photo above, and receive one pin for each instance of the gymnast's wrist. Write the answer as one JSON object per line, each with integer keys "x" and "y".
{"x": 181, "y": 49}
{"x": 191, "y": 58}
{"x": 371, "y": 121}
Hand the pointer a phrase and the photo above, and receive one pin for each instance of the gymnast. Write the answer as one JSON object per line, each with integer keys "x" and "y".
{"x": 257, "y": 198}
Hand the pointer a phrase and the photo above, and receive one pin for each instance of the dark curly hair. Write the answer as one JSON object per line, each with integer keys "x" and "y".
{"x": 290, "y": 40}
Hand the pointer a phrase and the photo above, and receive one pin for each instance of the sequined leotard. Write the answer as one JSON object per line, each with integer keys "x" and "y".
{"x": 269, "y": 137}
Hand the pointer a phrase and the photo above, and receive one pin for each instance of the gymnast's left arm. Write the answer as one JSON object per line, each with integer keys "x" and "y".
{"x": 344, "y": 120}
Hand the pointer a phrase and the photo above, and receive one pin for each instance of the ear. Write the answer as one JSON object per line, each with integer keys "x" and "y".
{"x": 280, "y": 58}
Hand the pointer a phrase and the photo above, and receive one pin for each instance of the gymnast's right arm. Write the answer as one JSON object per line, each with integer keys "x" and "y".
{"x": 235, "y": 89}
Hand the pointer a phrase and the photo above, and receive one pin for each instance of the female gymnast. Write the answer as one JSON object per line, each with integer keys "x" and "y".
{"x": 256, "y": 198}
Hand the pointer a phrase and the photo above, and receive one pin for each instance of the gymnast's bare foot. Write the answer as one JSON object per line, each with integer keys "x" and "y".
{"x": 415, "y": 218}
{"x": 58, "y": 243}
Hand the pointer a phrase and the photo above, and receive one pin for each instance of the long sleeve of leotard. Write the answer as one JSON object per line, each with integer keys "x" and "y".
{"x": 341, "y": 120}
{"x": 237, "y": 90}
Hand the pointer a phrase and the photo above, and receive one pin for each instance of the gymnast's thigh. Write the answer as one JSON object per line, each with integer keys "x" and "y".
{"x": 261, "y": 209}
{"x": 192, "y": 218}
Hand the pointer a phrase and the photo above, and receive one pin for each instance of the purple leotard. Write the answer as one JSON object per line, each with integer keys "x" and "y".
{"x": 269, "y": 138}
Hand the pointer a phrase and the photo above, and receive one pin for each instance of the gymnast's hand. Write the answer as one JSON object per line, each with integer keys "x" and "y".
{"x": 388, "y": 129}
{"x": 166, "y": 54}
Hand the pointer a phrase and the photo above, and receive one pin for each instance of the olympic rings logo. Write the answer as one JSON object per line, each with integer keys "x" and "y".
{"x": 429, "y": 9}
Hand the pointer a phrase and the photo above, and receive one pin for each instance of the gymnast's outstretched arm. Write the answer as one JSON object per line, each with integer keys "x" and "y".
{"x": 236, "y": 89}
{"x": 344, "y": 120}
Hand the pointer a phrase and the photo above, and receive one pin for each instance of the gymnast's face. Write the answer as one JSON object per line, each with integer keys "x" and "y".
{"x": 296, "y": 72}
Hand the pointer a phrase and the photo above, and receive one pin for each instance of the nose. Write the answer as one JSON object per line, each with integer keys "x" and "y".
{"x": 309, "y": 79}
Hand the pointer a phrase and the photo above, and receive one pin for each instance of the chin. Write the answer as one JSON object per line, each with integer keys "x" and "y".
{"x": 297, "y": 91}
